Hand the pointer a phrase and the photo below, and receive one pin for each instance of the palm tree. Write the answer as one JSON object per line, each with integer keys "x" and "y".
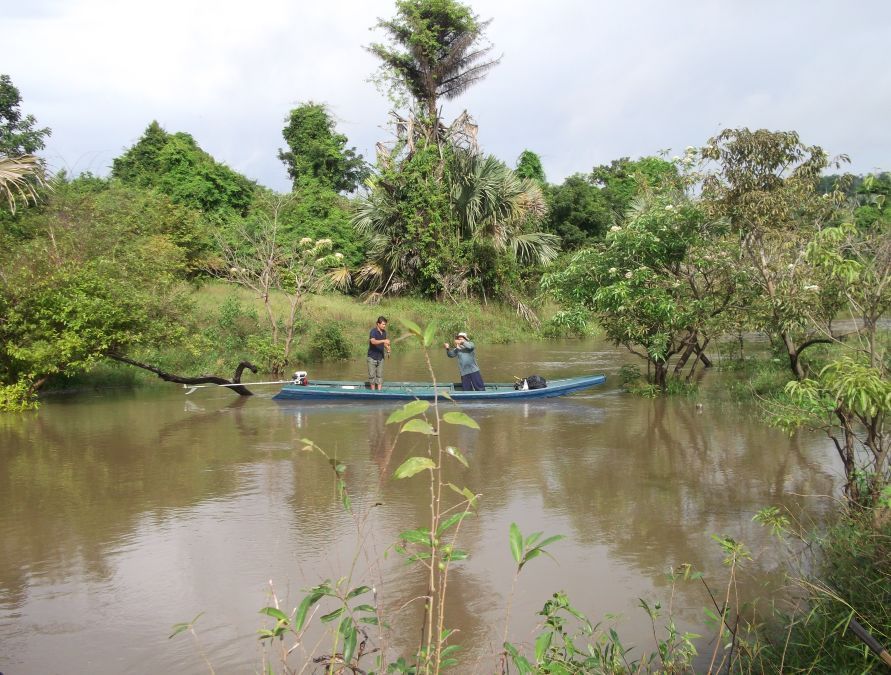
{"x": 495, "y": 206}
{"x": 19, "y": 179}
{"x": 436, "y": 52}
{"x": 489, "y": 204}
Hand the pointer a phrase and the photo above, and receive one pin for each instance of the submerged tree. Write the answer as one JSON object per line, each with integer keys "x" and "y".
{"x": 436, "y": 52}
{"x": 660, "y": 285}
{"x": 767, "y": 184}
{"x": 849, "y": 398}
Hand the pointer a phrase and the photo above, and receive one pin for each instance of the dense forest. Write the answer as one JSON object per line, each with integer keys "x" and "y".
{"x": 754, "y": 230}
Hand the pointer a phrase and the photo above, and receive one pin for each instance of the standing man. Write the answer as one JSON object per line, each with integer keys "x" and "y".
{"x": 378, "y": 348}
{"x": 471, "y": 379}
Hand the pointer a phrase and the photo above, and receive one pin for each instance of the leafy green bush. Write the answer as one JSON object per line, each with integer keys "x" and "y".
{"x": 328, "y": 342}
{"x": 17, "y": 397}
{"x": 266, "y": 355}
{"x": 850, "y": 581}
{"x": 233, "y": 326}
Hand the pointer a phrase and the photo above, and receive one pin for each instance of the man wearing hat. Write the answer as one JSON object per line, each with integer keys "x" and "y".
{"x": 471, "y": 379}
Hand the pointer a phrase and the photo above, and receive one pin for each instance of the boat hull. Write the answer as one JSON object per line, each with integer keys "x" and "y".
{"x": 400, "y": 391}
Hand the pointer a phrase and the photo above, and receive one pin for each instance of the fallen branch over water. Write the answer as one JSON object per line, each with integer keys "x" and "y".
{"x": 234, "y": 384}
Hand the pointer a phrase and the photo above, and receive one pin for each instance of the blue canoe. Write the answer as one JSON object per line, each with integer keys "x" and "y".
{"x": 399, "y": 391}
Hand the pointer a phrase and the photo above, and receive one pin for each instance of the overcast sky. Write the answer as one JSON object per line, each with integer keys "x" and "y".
{"x": 580, "y": 82}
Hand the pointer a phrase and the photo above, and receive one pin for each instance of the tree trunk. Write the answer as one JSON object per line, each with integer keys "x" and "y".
{"x": 203, "y": 379}
{"x": 660, "y": 375}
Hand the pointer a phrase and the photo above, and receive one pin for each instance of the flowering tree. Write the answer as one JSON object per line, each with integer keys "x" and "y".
{"x": 765, "y": 183}
{"x": 659, "y": 285}
{"x": 850, "y": 397}
{"x": 261, "y": 257}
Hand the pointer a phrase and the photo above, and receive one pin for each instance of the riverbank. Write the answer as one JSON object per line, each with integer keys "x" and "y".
{"x": 230, "y": 324}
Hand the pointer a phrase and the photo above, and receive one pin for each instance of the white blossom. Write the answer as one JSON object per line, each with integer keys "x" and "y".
{"x": 306, "y": 241}
{"x": 612, "y": 270}
{"x": 615, "y": 228}
{"x": 627, "y": 275}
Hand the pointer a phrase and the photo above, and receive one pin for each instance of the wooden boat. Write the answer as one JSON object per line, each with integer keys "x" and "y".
{"x": 398, "y": 391}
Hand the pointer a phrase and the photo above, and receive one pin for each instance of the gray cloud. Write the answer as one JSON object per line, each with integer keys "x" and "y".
{"x": 580, "y": 83}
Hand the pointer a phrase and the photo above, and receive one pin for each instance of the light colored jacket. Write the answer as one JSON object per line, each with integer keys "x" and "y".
{"x": 466, "y": 354}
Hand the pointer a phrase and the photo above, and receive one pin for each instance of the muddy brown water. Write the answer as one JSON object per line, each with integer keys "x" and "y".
{"x": 125, "y": 512}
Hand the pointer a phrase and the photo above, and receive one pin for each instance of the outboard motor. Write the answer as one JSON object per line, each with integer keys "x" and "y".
{"x": 300, "y": 378}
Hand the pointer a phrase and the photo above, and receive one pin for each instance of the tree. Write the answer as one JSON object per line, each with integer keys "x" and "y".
{"x": 479, "y": 204}
{"x": 317, "y": 151}
{"x": 766, "y": 183}
{"x": 18, "y": 135}
{"x": 622, "y": 180}
{"x": 95, "y": 276}
{"x": 578, "y": 212}
{"x": 529, "y": 166}
{"x": 263, "y": 260}
{"x": 849, "y": 398}
{"x": 175, "y": 165}
{"x": 659, "y": 285}
{"x": 436, "y": 52}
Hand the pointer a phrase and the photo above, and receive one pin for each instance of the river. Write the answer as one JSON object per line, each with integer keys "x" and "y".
{"x": 125, "y": 512}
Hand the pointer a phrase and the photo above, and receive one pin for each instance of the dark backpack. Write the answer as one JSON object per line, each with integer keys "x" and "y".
{"x": 536, "y": 382}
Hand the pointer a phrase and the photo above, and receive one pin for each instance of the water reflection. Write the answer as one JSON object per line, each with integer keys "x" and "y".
{"x": 121, "y": 515}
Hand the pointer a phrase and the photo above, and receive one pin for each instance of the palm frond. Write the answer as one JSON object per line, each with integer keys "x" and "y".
{"x": 19, "y": 179}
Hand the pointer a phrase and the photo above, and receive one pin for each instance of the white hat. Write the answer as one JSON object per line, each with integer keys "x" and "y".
{"x": 462, "y": 334}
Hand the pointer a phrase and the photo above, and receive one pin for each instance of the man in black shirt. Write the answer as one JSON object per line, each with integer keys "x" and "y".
{"x": 378, "y": 348}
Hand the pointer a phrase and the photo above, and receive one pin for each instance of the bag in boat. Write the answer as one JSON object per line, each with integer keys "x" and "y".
{"x": 531, "y": 382}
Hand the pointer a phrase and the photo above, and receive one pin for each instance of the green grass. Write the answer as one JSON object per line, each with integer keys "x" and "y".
{"x": 489, "y": 323}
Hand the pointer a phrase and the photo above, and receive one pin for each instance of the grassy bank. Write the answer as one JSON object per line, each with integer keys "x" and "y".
{"x": 230, "y": 325}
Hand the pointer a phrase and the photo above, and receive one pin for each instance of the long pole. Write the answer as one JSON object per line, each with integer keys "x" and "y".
{"x": 234, "y": 384}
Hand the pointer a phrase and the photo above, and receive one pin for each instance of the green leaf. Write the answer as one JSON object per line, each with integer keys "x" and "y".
{"x": 542, "y": 644}
{"x": 360, "y": 590}
{"x": 407, "y": 411}
{"x": 327, "y": 618}
{"x": 532, "y": 538}
{"x": 451, "y": 520}
{"x": 364, "y": 608}
{"x": 551, "y": 540}
{"x": 451, "y": 649}
{"x": 418, "y": 426}
{"x": 178, "y": 628}
{"x": 275, "y": 613}
{"x": 516, "y": 542}
{"x": 414, "y": 465}
{"x": 429, "y": 333}
{"x": 454, "y": 452}
{"x": 457, "y": 417}
{"x": 300, "y": 616}
{"x": 456, "y": 555}
{"x": 413, "y": 328}
{"x": 421, "y": 536}
{"x": 521, "y": 662}
{"x": 349, "y": 646}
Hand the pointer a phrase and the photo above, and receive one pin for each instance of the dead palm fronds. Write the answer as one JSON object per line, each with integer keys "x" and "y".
{"x": 20, "y": 177}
